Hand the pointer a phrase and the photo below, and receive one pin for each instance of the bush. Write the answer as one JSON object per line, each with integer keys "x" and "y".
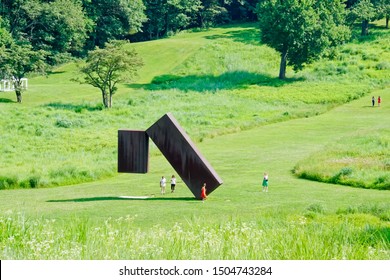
{"x": 370, "y": 56}
{"x": 383, "y": 65}
{"x": 63, "y": 123}
{"x": 32, "y": 182}
{"x": 8, "y": 182}
{"x": 66, "y": 123}
{"x": 316, "y": 208}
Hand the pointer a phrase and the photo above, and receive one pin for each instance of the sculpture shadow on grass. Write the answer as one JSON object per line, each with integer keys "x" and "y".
{"x": 108, "y": 198}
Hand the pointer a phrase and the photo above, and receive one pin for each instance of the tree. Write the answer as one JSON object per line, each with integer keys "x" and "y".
{"x": 5, "y": 36}
{"x": 165, "y": 16}
{"x": 243, "y": 10}
{"x": 180, "y": 14}
{"x": 58, "y": 26}
{"x": 105, "y": 68}
{"x": 17, "y": 61}
{"x": 155, "y": 12}
{"x": 113, "y": 19}
{"x": 384, "y": 10}
{"x": 301, "y": 30}
{"x": 212, "y": 12}
{"x": 364, "y": 11}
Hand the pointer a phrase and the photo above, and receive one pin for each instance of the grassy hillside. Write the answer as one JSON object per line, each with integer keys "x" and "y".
{"x": 221, "y": 86}
{"x": 215, "y": 82}
{"x": 296, "y": 219}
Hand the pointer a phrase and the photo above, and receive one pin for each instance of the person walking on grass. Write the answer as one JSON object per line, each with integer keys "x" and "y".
{"x": 373, "y": 101}
{"x": 265, "y": 182}
{"x": 173, "y": 183}
{"x": 203, "y": 195}
{"x": 379, "y": 101}
{"x": 163, "y": 182}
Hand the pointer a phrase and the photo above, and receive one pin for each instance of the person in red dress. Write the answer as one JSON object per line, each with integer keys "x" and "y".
{"x": 203, "y": 195}
{"x": 379, "y": 101}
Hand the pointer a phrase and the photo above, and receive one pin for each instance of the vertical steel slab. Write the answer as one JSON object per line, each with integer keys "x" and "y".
{"x": 182, "y": 154}
{"x": 133, "y": 151}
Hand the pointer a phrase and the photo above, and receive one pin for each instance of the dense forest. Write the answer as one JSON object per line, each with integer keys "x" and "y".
{"x": 72, "y": 27}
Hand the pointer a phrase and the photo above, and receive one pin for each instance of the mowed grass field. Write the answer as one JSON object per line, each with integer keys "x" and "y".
{"x": 221, "y": 87}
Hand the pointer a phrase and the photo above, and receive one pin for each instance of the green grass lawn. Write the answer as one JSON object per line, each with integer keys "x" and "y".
{"x": 244, "y": 121}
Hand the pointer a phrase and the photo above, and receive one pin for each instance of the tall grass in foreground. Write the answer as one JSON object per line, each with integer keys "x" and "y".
{"x": 360, "y": 161}
{"x": 314, "y": 235}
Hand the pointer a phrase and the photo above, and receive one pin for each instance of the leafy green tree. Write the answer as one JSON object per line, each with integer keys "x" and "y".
{"x": 58, "y": 26}
{"x": 5, "y": 36}
{"x": 365, "y": 12}
{"x": 155, "y": 12}
{"x": 384, "y": 10}
{"x": 105, "y": 68}
{"x": 211, "y": 13}
{"x": 17, "y": 61}
{"x": 180, "y": 14}
{"x": 113, "y": 19}
{"x": 301, "y": 30}
{"x": 243, "y": 10}
{"x": 166, "y": 16}
{"x": 13, "y": 13}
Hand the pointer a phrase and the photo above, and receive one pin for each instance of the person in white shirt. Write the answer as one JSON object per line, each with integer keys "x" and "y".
{"x": 163, "y": 182}
{"x": 173, "y": 183}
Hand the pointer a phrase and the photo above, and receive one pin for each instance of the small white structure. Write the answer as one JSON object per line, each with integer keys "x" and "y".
{"x": 9, "y": 85}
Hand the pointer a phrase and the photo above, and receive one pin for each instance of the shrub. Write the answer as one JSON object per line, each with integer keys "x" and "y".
{"x": 316, "y": 208}
{"x": 370, "y": 56}
{"x": 383, "y": 65}
{"x": 34, "y": 181}
{"x": 64, "y": 123}
{"x": 8, "y": 182}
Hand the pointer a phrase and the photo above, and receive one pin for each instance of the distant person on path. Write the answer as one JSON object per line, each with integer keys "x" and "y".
{"x": 373, "y": 101}
{"x": 203, "y": 195}
{"x": 163, "y": 182}
{"x": 379, "y": 101}
{"x": 265, "y": 182}
{"x": 173, "y": 183}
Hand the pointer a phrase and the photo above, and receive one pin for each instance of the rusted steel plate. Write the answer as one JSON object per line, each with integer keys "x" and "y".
{"x": 182, "y": 154}
{"x": 133, "y": 151}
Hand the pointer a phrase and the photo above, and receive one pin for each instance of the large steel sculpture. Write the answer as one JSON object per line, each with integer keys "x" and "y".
{"x": 133, "y": 151}
{"x": 175, "y": 145}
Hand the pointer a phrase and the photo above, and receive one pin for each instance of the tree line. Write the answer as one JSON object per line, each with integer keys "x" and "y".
{"x": 37, "y": 33}
{"x": 72, "y": 27}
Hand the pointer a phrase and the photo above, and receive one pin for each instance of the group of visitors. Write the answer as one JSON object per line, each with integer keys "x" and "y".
{"x": 163, "y": 183}
{"x": 203, "y": 193}
{"x": 373, "y": 101}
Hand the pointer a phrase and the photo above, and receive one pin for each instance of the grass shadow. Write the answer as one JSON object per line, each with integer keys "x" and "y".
{"x": 207, "y": 83}
{"x": 250, "y": 36}
{"x": 373, "y": 235}
{"x": 6, "y": 100}
{"x": 55, "y": 72}
{"x": 108, "y": 198}
{"x": 74, "y": 107}
{"x": 375, "y": 32}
